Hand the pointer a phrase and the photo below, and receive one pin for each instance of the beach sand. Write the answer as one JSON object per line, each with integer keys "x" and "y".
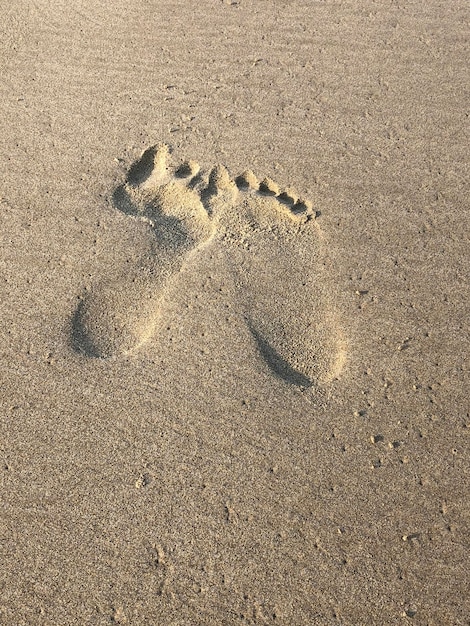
{"x": 234, "y": 301}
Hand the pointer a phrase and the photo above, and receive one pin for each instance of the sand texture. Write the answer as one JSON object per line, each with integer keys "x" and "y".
{"x": 235, "y": 313}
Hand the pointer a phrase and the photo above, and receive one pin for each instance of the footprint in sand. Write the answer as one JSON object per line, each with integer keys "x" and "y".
{"x": 117, "y": 317}
{"x": 271, "y": 243}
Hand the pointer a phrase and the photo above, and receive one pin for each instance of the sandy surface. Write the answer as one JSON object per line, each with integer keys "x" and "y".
{"x": 226, "y": 401}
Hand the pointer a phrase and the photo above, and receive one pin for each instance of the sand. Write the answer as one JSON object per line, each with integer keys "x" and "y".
{"x": 234, "y": 301}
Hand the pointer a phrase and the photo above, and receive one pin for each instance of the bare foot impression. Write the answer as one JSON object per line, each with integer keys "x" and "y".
{"x": 271, "y": 242}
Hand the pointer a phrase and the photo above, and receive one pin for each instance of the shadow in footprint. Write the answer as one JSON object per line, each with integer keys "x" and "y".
{"x": 142, "y": 169}
{"x": 81, "y": 342}
{"x": 123, "y": 202}
{"x": 277, "y": 364}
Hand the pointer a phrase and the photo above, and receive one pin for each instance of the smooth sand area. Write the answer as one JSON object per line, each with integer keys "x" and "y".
{"x": 234, "y": 303}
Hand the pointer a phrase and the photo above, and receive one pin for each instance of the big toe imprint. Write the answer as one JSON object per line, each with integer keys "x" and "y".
{"x": 271, "y": 242}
